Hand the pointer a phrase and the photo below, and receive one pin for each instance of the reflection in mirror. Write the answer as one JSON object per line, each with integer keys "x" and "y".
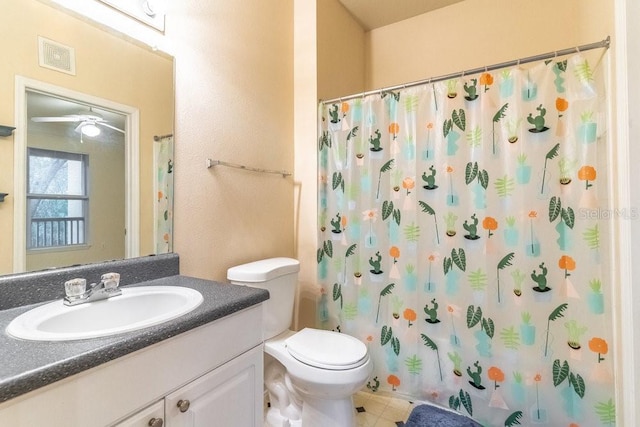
{"x": 107, "y": 66}
{"x": 75, "y": 180}
{"x": 53, "y": 137}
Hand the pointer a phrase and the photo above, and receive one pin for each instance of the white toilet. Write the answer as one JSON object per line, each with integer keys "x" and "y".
{"x": 310, "y": 375}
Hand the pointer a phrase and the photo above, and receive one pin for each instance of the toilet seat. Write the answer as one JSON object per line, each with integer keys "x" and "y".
{"x": 326, "y": 349}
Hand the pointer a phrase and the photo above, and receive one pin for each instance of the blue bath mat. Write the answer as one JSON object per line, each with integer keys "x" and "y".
{"x": 433, "y": 416}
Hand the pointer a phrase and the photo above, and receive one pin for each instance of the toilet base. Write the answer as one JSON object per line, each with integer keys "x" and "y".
{"x": 317, "y": 413}
{"x": 275, "y": 419}
{"x": 333, "y": 412}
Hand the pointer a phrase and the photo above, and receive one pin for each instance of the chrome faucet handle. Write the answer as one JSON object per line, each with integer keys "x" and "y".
{"x": 110, "y": 281}
{"x": 75, "y": 288}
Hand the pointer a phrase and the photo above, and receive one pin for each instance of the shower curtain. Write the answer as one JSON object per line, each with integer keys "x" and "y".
{"x": 163, "y": 213}
{"x": 463, "y": 232}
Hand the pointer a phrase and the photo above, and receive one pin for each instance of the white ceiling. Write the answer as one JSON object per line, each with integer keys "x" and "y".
{"x": 373, "y": 14}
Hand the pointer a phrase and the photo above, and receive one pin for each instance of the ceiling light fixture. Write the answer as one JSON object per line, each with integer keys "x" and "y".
{"x": 90, "y": 129}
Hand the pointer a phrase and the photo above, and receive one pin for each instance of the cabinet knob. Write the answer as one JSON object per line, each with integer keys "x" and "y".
{"x": 183, "y": 405}
{"x": 156, "y": 422}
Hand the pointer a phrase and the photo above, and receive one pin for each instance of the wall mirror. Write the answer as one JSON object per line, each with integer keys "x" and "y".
{"x": 117, "y": 85}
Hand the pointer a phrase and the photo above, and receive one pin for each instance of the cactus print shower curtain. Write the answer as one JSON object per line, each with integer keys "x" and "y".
{"x": 163, "y": 184}
{"x": 463, "y": 235}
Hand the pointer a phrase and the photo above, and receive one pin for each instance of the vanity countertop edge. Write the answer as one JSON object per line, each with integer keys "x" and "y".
{"x": 29, "y": 365}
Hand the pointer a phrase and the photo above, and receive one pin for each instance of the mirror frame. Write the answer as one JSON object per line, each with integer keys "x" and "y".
{"x": 132, "y": 164}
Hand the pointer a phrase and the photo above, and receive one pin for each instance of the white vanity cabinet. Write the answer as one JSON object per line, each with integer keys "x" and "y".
{"x": 223, "y": 397}
{"x": 217, "y": 367}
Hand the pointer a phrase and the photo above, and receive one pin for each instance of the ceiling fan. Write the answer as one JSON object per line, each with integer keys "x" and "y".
{"x": 88, "y": 122}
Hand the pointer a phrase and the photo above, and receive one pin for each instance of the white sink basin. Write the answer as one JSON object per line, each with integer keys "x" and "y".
{"x": 136, "y": 308}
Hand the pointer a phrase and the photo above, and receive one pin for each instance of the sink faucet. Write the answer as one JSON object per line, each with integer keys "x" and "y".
{"x": 76, "y": 291}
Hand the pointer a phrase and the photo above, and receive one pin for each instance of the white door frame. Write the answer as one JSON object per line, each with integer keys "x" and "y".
{"x": 132, "y": 164}
{"x": 626, "y": 196}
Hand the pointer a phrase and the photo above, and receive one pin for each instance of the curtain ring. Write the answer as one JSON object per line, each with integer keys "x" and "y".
{"x": 578, "y": 49}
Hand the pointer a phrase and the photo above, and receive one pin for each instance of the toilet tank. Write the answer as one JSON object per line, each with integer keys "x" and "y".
{"x": 280, "y": 277}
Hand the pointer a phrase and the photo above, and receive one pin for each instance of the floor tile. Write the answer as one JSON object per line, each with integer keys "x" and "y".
{"x": 373, "y": 410}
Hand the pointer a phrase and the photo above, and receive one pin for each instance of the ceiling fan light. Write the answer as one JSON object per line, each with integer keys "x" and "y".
{"x": 90, "y": 129}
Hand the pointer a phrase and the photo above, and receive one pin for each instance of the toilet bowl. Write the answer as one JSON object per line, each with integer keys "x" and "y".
{"x": 324, "y": 369}
{"x": 310, "y": 375}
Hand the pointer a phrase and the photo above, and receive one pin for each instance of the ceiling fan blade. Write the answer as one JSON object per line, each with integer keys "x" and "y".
{"x": 109, "y": 126}
{"x": 56, "y": 119}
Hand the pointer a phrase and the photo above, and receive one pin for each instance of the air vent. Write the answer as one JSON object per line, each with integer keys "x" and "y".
{"x": 56, "y": 56}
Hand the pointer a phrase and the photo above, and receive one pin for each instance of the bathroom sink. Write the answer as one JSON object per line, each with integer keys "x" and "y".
{"x": 136, "y": 308}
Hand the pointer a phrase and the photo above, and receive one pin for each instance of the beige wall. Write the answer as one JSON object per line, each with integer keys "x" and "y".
{"x": 305, "y": 119}
{"x": 107, "y": 67}
{"x": 234, "y": 102}
{"x": 228, "y": 110}
{"x": 341, "y": 51}
{"x": 474, "y": 33}
{"x": 325, "y": 35}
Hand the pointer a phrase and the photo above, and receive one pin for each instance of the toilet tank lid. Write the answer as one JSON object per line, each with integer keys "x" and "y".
{"x": 263, "y": 270}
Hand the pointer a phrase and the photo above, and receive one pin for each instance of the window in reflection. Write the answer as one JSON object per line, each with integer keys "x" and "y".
{"x": 57, "y": 199}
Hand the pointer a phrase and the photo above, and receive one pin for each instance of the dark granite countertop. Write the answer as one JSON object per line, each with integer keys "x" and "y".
{"x": 28, "y": 365}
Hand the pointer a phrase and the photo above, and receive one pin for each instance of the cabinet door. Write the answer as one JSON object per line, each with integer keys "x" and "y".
{"x": 150, "y": 416}
{"x": 230, "y": 395}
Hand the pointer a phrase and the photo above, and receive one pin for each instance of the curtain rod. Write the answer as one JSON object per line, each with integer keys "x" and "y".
{"x": 601, "y": 44}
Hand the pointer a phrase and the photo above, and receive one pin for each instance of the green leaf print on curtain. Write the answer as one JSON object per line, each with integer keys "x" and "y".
{"x": 470, "y": 253}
